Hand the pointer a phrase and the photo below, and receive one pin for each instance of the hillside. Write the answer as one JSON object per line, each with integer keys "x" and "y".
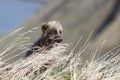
{"x": 78, "y": 17}
{"x": 2, "y": 35}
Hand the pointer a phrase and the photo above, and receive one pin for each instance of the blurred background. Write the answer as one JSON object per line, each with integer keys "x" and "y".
{"x": 15, "y": 12}
{"x": 79, "y": 17}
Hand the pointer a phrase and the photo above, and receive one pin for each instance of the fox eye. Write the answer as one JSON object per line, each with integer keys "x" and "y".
{"x": 60, "y": 32}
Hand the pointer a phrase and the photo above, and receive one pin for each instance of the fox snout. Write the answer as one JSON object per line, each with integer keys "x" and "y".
{"x": 58, "y": 39}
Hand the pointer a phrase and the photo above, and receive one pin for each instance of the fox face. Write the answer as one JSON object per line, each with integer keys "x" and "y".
{"x": 52, "y": 32}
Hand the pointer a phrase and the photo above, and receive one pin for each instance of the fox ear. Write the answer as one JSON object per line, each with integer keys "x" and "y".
{"x": 44, "y": 27}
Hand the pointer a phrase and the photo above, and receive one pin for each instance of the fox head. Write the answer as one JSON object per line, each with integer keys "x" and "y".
{"x": 52, "y": 32}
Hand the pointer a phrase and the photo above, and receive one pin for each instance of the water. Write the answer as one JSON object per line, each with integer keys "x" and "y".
{"x": 14, "y": 13}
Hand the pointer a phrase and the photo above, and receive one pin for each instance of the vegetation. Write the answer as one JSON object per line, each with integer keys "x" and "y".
{"x": 54, "y": 64}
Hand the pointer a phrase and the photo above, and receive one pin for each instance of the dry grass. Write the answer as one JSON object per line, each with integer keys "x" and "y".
{"x": 56, "y": 65}
{"x": 32, "y": 66}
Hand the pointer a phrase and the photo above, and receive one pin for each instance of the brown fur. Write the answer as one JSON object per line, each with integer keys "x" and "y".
{"x": 51, "y": 33}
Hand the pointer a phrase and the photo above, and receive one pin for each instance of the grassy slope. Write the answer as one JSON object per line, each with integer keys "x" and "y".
{"x": 54, "y": 65}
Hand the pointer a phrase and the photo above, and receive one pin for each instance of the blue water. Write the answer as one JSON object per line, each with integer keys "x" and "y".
{"x": 15, "y": 12}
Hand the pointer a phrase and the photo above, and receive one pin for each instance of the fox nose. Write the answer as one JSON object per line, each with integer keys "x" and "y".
{"x": 59, "y": 40}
